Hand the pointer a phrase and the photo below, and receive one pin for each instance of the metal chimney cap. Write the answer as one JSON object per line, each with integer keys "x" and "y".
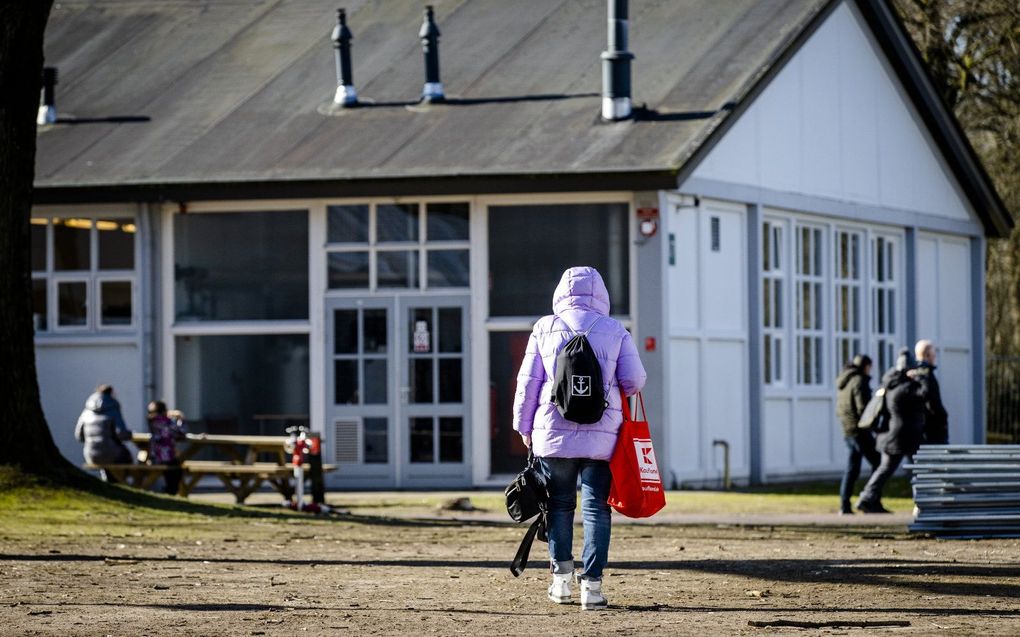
{"x": 340, "y": 32}
{"x": 429, "y": 27}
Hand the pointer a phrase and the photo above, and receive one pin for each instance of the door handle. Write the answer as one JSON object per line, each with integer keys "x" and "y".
{"x": 405, "y": 395}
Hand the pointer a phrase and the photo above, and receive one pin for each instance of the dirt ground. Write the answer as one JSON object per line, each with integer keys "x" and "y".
{"x": 377, "y": 576}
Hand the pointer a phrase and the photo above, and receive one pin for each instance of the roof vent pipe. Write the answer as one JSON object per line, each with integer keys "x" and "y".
{"x": 342, "y": 36}
{"x": 48, "y": 106}
{"x": 429, "y": 34}
{"x": 616, "y": 103}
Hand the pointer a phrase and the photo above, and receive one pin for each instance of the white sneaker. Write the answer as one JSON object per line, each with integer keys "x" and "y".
{"x": 559, "y": 590}
{"x": 591, "y": 595}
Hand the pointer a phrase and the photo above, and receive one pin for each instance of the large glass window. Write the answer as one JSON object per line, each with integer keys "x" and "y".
{"x": 506, "y": 351}
{"x": 883, "y": 300}
{"x": 115, "y": 303}
{"x": 39, "y": 244}
{"x": 85, "y": 268}
{"x": 241, "y": 266}
{"x": 773, "y": 299}
{"x": 116, "y": 244}
{"x": 844, "y": 300}
{"x": 72, "y": 244}
{"x": 383, "y": 246}
{"x": 245, "y": 384}
{"x": 809, "y": 281}
{"x": 848, "y": 280}
{"x": 530, "y": 247}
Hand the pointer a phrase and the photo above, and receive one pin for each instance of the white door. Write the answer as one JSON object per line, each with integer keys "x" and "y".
{"x": 397, "y": 391}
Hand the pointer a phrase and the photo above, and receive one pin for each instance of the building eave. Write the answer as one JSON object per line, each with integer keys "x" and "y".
{"x": 368, "y": 187}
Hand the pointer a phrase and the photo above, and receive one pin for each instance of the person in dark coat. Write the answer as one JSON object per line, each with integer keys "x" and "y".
{"x": 854, "y": 392}
{"x": 936, "y": 419}
{"x": 102, "y": 431}
{"x": 904, "y": 401}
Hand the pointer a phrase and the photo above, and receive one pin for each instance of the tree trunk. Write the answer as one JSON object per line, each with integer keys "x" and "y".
{"x": 25, "y": 439}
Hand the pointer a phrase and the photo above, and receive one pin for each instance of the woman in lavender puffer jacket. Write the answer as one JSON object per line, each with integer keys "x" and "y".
{"x": 566, "y": 449}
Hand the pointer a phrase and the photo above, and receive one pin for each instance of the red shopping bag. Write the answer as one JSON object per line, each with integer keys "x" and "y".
{"x": 637, "y": 488}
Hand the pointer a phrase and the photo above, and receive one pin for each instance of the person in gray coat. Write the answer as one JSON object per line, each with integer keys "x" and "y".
{"x": 102, "y": 430}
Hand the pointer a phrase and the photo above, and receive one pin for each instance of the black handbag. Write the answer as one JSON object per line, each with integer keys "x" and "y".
{"x": 526, "y": 498}
{"x": 876, "y": 413}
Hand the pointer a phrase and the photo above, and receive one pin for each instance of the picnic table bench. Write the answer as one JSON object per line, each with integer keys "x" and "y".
{"x": 241, "y": 475}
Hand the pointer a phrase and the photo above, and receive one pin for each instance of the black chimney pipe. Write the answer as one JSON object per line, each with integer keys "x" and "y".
{"x": 429, "y": 34}
{"x": 48, "y": 107}
{"x": 342, "y": 36}
{"x": 616, "y": 100}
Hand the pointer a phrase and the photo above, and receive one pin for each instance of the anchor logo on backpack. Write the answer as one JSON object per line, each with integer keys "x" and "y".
{"x": 580, "y": 386}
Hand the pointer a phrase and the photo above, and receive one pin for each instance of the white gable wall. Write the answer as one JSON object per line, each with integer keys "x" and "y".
{"x": 835, "y": 142}
{"x": 835, "y": 123}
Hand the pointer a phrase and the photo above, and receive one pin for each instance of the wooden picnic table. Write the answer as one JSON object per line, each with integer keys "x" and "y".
{"x": 241, "y": 475}
{"x": 242, "y": 449}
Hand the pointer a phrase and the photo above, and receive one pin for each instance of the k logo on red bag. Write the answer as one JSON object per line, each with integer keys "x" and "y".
{"x": 637, "y": 487}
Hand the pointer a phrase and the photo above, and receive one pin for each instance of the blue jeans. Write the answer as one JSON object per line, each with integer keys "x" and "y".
{"x": 562, "y": 476}
{"x": 861, "y": 446}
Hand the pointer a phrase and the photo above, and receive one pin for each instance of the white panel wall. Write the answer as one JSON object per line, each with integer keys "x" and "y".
{"x": 706, "y": 305}
{"x": 69, "y": 373}
{"x": 684, "y": 396}
{"x": 777, "y": 434}
{"x": 944, "y": 316}
{"x": 814, "y": 428}
{"x": 927, "y": 270}
{"x": 835, "y": 123}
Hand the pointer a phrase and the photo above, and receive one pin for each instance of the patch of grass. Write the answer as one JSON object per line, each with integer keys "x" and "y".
{"x": 33, "y": 506}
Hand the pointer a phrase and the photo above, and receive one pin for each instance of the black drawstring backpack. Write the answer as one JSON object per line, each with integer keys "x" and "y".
{"x": 578, "y": 392}
{"x": 526, "y": 498}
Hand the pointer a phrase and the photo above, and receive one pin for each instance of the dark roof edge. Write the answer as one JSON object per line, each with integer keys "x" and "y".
{"x": 757, "y": 86}
{"x": 906, "y": 60}
{"x": 345, "y": 188}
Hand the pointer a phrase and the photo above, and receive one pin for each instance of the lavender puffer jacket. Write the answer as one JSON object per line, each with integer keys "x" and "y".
{"x": 580, "y": 299}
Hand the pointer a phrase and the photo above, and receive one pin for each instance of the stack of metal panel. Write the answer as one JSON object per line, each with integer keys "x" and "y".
{"x": 967, "y": 491}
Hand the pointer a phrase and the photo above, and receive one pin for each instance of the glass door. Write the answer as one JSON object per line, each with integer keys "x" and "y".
{"x": 360, "y": 390}
{"x": 434, "y": 391}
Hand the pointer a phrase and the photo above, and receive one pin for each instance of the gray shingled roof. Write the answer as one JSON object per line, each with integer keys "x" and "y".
{"x": 199, "y": 92}
{"x": 189, "y": 99}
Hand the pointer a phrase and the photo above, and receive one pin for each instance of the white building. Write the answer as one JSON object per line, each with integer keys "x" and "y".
{"x": 210, "y": 230}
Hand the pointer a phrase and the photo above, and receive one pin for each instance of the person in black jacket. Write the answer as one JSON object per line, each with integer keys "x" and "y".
{"x": 854, "y": 392}
{"x": 904, "y": 401}
{"x": 936, "y": 419}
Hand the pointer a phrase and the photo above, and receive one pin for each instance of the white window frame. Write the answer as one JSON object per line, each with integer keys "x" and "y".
{"x": 114, "y": 278}
{"x": 72, "y": 277}
{"x": 483, "y": 324}
{"x": 91, "y": 276}
{"x": 855, "y": 337}
{"x": 818, "y": 285}
{"x": 891, "y": 335}
{"x": 868, "y": 335}
{"x": 775, "y": 230}
{"x": 423, "y": 247}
